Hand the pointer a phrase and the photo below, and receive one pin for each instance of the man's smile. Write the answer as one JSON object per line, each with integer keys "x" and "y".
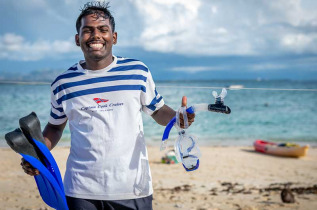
{"x": 95, "y": 45}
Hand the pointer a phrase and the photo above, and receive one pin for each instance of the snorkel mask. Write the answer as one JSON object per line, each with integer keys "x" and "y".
{"x": 186, "y": 148}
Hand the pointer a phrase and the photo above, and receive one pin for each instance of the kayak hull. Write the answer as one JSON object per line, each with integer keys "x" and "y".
{"x": 275, "y": 149}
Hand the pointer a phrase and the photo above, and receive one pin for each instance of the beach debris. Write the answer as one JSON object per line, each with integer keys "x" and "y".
{"x": 185, "y": 188}
{"x": 232, "y": 187}
{"x": 237, "y": 188}
{"x": 298, "y": 190}
{"x": 287, "y": 195}
{"x": 214, "y": 191}
{"x": 177, "y": 189}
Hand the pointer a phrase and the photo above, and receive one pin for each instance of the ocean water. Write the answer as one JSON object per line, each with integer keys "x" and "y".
{"x": 275, "y": 115}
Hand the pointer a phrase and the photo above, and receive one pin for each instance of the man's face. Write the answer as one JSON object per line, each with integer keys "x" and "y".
{"x": 96, "y": 38}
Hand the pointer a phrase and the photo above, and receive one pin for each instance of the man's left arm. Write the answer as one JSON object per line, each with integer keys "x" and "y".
{"x": 165, "y": 114}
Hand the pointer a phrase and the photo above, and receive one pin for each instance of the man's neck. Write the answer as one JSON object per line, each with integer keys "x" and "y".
{"x": 98, "y": 65}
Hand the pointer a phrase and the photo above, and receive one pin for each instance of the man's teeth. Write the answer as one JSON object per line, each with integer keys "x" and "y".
{"x": 96, "y": 46}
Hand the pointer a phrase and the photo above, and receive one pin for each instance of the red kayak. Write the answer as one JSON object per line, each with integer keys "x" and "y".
{"x": 285, "y": 149}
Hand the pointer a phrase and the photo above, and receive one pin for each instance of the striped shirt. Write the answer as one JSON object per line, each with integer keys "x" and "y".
{"x": 108, "y": 158}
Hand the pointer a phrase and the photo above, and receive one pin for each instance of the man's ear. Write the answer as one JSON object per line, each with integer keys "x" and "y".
{"x": 77, "y": 40}
{"x": 115, "y": 37}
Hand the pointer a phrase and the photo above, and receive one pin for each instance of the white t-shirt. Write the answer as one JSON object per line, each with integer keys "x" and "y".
{"x": 108, "y": 157}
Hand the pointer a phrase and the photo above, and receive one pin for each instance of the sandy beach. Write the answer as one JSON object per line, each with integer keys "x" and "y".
{"x": 228, "y": 178}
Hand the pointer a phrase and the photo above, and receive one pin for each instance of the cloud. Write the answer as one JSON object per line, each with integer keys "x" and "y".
{"x": 202, "y": 27}
{"x": 300, "y": 43}
{"x": 16, "y": 47}
{"x": 184, "y": 27}
{"x": 266, "y": 66}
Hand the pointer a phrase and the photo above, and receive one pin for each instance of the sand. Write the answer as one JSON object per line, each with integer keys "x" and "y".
{"x": 228, "y": 178}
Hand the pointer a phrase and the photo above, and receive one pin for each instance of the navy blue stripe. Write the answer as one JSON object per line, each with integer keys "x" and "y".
{"x": 154, "y": 102}
{"x": 69, "y": 75}
{"x": 73, "y": 68}
{"x": 129, "y": 67}
{"x": 126, "y": 60}
{"x": 56, "y": 117}
{"x": 58, "y": 109}
{"x": 98, "y": 79}
{"x": 100, "y": 90}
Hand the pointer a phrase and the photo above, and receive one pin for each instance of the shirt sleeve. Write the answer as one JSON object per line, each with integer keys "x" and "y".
{"x": 151, "y": 100}
{"x": 57, "y": 115}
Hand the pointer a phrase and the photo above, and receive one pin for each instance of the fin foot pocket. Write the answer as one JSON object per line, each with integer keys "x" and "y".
{"x": 31, "y": 127}
{"x": 20, "y": 144}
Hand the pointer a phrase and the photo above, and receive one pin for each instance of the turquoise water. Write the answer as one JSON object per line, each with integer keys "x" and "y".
{"x": 256, "y": 114}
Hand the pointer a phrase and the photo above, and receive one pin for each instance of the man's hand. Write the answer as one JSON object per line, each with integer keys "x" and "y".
{"x": 165, "y": 114}
{"x": 28, "y": 168}
{"x": 191, "y": 117}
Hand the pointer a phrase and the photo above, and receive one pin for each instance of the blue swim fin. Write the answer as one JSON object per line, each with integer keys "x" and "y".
{"x": 48, "y": 186}
{"x": 31, "y": 128}
{"x": 49, "y": 181}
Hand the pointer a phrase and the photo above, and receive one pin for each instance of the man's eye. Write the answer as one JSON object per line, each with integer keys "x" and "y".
{"x": 104, "y": 30}
{"x": 86, "y": 31}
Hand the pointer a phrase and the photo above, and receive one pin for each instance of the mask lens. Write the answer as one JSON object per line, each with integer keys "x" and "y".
{"x": 190, "y": 162}
{"x": 187, "y": 151}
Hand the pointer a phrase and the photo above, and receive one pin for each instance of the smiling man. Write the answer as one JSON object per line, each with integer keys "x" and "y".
{"x": 102, "y": 98}
{"x": 96, "y": 36}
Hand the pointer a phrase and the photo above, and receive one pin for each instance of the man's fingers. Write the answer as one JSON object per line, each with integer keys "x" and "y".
{"x": 190, "y": 117}
{"x": 25, "y": 163}
{"x": 31, "y": 172}
{"x": 184, "y": 101}
{"x": 28, "y": 168}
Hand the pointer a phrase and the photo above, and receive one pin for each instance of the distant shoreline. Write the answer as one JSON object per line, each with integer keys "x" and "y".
{"x": 24, "y": 83}
{"x": 2, "y": 81}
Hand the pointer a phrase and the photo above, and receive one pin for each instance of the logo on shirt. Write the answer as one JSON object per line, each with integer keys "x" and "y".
{"x": 102, "y": 105}
{"x": 100, "y": 101}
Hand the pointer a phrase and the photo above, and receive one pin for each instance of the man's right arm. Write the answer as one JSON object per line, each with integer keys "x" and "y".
{"x": 52, "y": 134}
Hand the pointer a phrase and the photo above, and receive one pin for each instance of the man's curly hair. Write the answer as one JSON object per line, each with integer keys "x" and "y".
{"x": 99, "y": 9}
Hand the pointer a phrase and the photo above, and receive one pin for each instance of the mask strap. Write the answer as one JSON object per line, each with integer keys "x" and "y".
{"x": 185, "y": 117}
{"x": 177, "y": 124}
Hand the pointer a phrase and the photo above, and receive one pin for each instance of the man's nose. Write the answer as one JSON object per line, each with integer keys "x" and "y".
{"x": 96, "y": 33}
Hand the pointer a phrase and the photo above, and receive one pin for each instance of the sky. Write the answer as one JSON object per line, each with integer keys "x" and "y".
{"x": 176, "y": 39}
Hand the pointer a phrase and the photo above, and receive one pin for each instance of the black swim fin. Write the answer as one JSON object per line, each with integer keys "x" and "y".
{"x": 31, "y": 127}
{"x": 20, "y": 144}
